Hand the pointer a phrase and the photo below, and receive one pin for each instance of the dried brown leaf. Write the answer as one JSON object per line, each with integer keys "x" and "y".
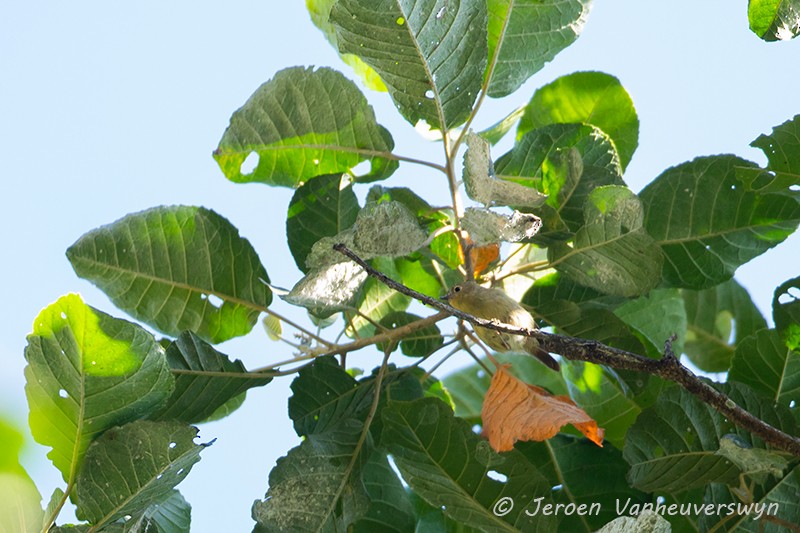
{"x": 513, "y": 410}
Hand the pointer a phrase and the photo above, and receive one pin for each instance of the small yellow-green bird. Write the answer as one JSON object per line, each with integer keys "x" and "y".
{"x": 494, "y": 304}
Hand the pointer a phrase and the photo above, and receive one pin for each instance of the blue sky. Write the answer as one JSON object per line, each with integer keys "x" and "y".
{"x": 109, "y": 108}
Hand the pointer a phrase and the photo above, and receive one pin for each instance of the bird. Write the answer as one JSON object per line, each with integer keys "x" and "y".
{"x": 496, "y": 305}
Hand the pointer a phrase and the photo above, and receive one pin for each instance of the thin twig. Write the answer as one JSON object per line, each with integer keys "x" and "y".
{"x": 668, "y": 367}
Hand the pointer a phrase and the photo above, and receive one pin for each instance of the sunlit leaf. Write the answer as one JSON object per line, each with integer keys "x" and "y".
{"x": 786, "y": 312}
{"x": 524, "y": 35}
{"x": 708, "y": 225}
{"x": 419, "y": 54}
{"x": 300, "y": 124}
{"x": 177, "y": 268}
{"x": 86, "y": 373}
{"x": 586, "y": 98}
{"x": 774, "y": 20}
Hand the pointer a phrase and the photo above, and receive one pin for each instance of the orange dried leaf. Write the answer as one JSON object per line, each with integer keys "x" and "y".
{"x": 482, "y": 256}
{"x": 513, "y": 410}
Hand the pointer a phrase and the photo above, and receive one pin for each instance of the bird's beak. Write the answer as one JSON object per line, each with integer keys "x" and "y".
{"x": 446, "y": 297}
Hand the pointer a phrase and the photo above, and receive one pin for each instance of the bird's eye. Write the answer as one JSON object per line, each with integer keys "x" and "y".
{"x": 457, "y": 288}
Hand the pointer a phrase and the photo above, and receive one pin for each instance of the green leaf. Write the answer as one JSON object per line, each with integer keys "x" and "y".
{"x": 377, "y": 301}
{"x": 301, "y": 124}
{"x": 87, "y": 372}
{"x": 708, "y": 225}
{"x": 468, "y": 386}
{"x": 167, "y": 266}
{"x": 419, "y": 53}
{"x": 763, "y": 362}
{"x": 132, "y": 467}
{"x": 421, "y": 342}
{"x": 654, "y": 318}
{"x": 524, "y": 35}
{"x": 389, "y": 506}
{"x": 387, "y": 229}
{"x": 449, "y": 466}
{"x": 673, "y": 445}
{"x": 20, "y": 504}
{"x": 604, "y": 396}
{"x": 718, "y": 319}
{"x": 583, "y": 473}
{"x": 320, "y": 11}
{"x": 418, "y": 273}
{"x": 197, "y": 396}
{"x": 173, "y": 515}
{"x": 593, "y": 98}
{"x": 483, "y": 187}
{"x": 313, "y": 488}
{"x": 322, "y": 207}
{"x": 565, "y": 162}
{"x": 612, "y": 253}
{"x": 786, "y": 312}
{"x": 782, "y": 148}
{"x": 323, "y": 395}
{"x": 774, "y": 20}
{"x": 493, "y": 134}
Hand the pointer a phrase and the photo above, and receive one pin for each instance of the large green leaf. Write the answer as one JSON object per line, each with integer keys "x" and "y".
{"x": 86, "y": 373}
{"x": 763, "y": 362}
{"x": 302, "y": 123}
{"x": 582, "y": 473}
{"x": 419, "y": 343}
{"x": 205, "y": 380}
{"x": 782, "y": 148}
{"x": 586, "y": 98}
{"x": 389, "y": 506}
{"x": 654, "y": 318}
{"x": 602, "y": 394}
{"x": 173, "y": 515}
{"x": 377, "y": 300}
{"x": 313, "y": 487}
{"x": 322, "y": 207}
{"x": 566, "y": 162}
{"x": 611, "y": 253}
{"x": 707, "y": 223}
{"x": 169, "y": 266}
{"x": 674, "y": 445}
{"x": 449, "y": 467}
{"x": 431, "y": 57}
{"x": 132, "y": 467}
{"x": 20, "y": 504}
{"x": 524, "y": 35}
{"x": 774, "y": 20}
{"x": 718, "y": 319}
{"x": 786, "y": 312}
{"x": 320, "y": 10}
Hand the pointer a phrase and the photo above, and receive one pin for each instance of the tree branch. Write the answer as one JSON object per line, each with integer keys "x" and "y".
{"x": 572, "y": 348}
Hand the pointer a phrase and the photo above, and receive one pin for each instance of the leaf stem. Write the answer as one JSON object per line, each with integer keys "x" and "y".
{"x": 296, "y": 326}
{"x": 523, "y": 269}
{"x": 50, "y": 520}
{"x": 575, "y": 349}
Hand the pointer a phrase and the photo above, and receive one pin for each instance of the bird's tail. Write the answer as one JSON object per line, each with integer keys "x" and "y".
{"x": 533, "y": 348}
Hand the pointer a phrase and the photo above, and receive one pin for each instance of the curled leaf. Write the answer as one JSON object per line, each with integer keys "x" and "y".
{"x": 513, "y": 410}
{"x": 482, "y": 185}
{"x": 485, "y": 226}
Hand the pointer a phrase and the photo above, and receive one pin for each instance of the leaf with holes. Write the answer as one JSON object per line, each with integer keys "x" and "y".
{"x": 168, "y": 267}
{"x": 87, "y": 372}
{"x": 611, "y": 253}
{"x": 418, "y": 49}
{"x": 718, "y": 319}
{"x": 708, "y": 225}
{"x": 301, "y": 124}
{"x": 524, "y": 35}
{"x": 197, "y": 396}
{"x": 774, "y": 20}
{"x": 782, "y": 148}
{"x": 786, "y": 312}
{"x": 132, "y": 467}
{"x": 593, "y": 98}
{"x": 674, "y": 445}
{"x": 322, "y": 207}
{"x": 765, "y": 363}
{"x": 455, "y": 470}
